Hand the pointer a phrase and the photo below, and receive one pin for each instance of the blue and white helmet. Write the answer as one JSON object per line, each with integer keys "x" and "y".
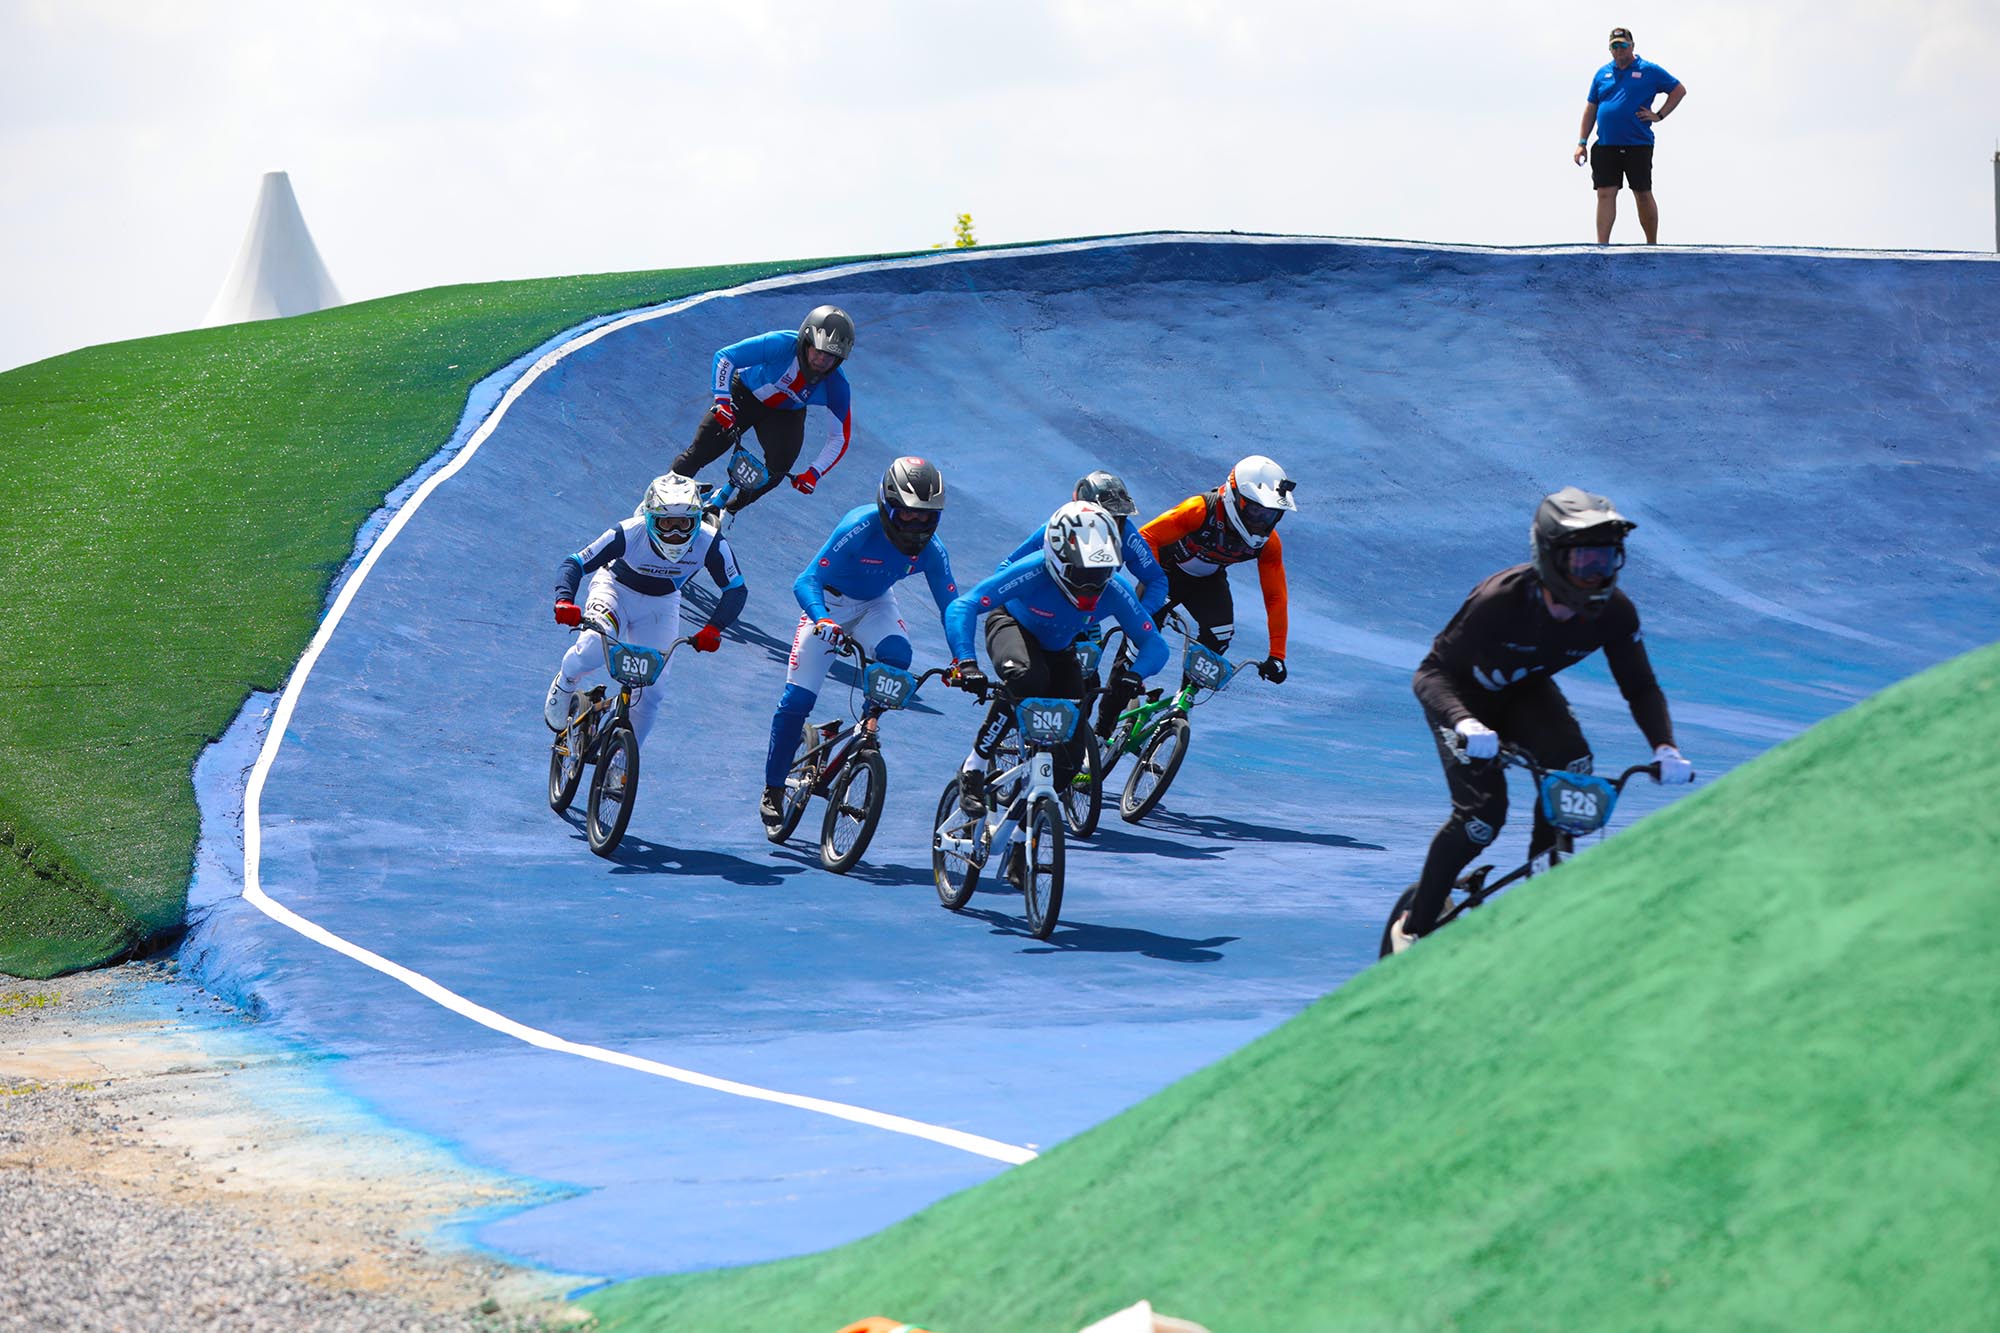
{"x": 1080, "y": 549}
{"x": 672, "y": 510}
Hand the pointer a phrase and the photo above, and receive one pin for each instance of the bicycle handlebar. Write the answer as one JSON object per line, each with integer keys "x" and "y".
{"x": 1515, "y": 756}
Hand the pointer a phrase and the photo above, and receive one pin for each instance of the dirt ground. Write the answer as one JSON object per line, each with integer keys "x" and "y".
{"x": 128, "y": 1090}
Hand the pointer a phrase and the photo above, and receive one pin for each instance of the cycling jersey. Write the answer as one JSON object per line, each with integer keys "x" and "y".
{"x": 1196, "y": 537}
{"x": 634, "y": 564}
{"x": 859, "y": 562}
{"x": 1142, "y": 569}
{"x": 768, "y": 366}
{"x": 1028, "y": 593}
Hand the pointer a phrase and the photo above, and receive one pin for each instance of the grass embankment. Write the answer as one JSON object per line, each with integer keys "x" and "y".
{"x": 176, "y": 511}
{"x": 1734, "y": 1069}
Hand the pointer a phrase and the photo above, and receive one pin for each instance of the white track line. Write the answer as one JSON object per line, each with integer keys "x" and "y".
{"x": 253, "y": 833}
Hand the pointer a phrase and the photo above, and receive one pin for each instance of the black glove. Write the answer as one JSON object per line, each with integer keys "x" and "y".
{"x": 968, "y": 677}
{"x": 1272, "y": 669}
{"x": 1126, "y": 681}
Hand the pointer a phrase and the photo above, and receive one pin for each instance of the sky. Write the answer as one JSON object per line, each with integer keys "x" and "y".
{"x": 433, "y": 141}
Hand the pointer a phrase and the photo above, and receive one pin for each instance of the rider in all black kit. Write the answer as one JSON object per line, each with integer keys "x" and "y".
{"x": 1488, "y": 678}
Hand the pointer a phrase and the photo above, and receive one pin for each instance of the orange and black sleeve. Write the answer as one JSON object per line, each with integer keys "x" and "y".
{"x": 1271, "y": 577}
{"x": 1176, "y": 523}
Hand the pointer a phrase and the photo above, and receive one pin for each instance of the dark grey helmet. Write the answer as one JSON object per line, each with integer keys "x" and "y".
{"x": 830, "y": 329}
{"x": 1107, "y": 492}
{"x": 1573, "y": 518}
{"x": 910, "y": 501}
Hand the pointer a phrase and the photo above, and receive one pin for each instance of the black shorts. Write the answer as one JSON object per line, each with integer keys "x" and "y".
{"x": 1633, "y": 162}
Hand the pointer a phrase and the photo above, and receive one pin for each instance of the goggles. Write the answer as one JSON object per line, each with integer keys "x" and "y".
{"x": 1593, "y": 565}
{"x": 671, "y": 527}
{"x": 1260, "y": 519}
{"x": 914, "y": 520}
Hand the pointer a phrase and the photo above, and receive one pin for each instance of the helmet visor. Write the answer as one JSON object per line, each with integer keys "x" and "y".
{"x": 1261, "y": 520}
{"x": 914, "y": 520}
{"x": 1592, "y": 566}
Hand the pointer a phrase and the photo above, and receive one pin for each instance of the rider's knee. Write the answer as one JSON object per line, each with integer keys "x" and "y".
{"x": 797, "y": 699}
{"x": 894, "y": 651}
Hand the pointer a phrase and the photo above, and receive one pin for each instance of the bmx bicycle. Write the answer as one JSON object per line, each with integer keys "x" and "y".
{"x": 1023, "y": 819}
{"x": 1158, "y": 729}
{"x": 1575, "y": 804}
{"x": 600, "y": 733}
{"x": 842, "y": 762}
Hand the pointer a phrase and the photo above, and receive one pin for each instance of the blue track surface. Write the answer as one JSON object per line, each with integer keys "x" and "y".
{"x": 1807, "y": 443}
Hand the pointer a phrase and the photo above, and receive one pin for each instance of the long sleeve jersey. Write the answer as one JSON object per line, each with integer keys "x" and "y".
{"x": 1196, "y": 537}
{"x": 1142, "y": 567}
{"x": 1025, "y": 590}
{"x": 768, "y": 365}
{"x": 858, "y": 560}
{"x": 1504, "y": 635}
{"x": 636, "y": 565}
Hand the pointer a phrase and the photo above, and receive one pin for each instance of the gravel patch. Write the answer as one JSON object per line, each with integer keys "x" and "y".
{"x": 146, "y": 1183}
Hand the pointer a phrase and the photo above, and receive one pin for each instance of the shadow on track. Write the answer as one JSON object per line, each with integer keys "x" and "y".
{"x": 636, "y": 856}
{"x": 1083, "y": 937}
{"x": 891, "y": 876}
{"x": 1236, "y": 830}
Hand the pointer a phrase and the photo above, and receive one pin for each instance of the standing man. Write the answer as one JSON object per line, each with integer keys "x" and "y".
{"x": 1621, "y": 109}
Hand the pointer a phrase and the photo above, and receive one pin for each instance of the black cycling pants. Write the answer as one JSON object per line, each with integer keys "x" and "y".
{"x": 1027, "y": 670}
{"x": 1533, "y": 716}
{"x": 1208, "y": 600}
{"x": 780, "y": 434}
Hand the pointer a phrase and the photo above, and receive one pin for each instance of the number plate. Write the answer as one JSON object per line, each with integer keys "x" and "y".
{"x": 887, "y": 686}
{"x": 1089, "y": 648}
{"x": 1047, "y": 721}
{"x": 1577, "y": 803}
{"x": 745, "y": 472}
{"x": 1209, "y": 670}
{"x": 636, "y": 666}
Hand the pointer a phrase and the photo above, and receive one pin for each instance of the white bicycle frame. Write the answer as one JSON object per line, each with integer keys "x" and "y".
{"x": 975, "y": 841}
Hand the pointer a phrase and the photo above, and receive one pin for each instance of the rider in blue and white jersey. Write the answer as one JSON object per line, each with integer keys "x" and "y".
{"x": 637, "y": 570}
{"x": 1034, "y": 608}
{"x": 765, "y": 384}
{"x": 1141, "y": 569}
{"x": 848, "y": 591}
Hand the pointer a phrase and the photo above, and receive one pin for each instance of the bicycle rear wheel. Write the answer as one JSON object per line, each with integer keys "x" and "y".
{"x": 956, "y": 875}
{"x": 1153, "y": 771}
{"x": 853, "y": 809}
{"x": 569, "y": 755}
{"x": 613, "y": 787}
{"x": 1042, "y": 867}
{"x": 799, "y": 785}
{"x": 1083, "y": 796}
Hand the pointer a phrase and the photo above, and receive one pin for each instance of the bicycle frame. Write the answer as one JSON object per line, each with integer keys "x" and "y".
{"x": 1043, "y": 724}
{"x": 746, "y": 472}
{"x": 1204, "y": 674}
{"x": 633, "y": 666}
{"x": 885, "y": 689}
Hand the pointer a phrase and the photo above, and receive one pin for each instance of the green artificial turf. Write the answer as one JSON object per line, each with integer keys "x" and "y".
{"x": 174, "y": 513}
{"x": 1734, "y": 1068}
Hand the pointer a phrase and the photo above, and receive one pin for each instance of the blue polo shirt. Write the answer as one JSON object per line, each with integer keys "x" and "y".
{"x": 1619, "y": 93}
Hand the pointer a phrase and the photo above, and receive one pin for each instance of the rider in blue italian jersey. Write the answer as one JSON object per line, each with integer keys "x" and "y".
{"x": 848, "y": 592}
{"x": 1034, "y": 608}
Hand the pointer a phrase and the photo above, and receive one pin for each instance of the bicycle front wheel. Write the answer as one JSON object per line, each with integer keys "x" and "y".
{"x": 1083, "y": 796}
{"x": 1042, "y": 867}
{"x": 853, "y": 809}
{"x": 613, "y": 788}
{"x": 1154, "y": 770}
{"x": 956, "y": 873}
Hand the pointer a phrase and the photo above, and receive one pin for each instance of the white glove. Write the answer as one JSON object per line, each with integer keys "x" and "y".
{"x": 1477, "y": 739}
{"x": 1674, "y": 770}
{"x": 829, "y": 632}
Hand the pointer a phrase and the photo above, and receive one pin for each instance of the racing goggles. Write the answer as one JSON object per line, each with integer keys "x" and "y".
{"x": 672, "y": 529}
{"x": 1261, "y": 520}
{"x": 1591, "y": 566}
{"x": 914, "y": 520}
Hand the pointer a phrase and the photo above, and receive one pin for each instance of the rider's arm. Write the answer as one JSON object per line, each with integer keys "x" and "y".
{"x": 1034, "y": 541}
{"x": 721, "y": 566}
{"x": 937, "y": 572}
{"x": 1632, "y": 668}
{"x": 1271, "y": 578}
{"x": 1144, "y": 567}
{"x": 1176, "y": 523}
{"x": 810, "y": 586}
{"x": 594, "y": 556}
{"x": 840, "y": 403}
{"x": 1144, "y": 636}
{"x": 757, "y": 348}
{"x": 962, "y": 616}
{"x": 1450, "y": 661}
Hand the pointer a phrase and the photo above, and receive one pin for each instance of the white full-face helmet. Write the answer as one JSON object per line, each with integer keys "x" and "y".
{"x": 672, "y": 510}
{"x": 1080, "y": 549}
{"x": 1257, "y": 495}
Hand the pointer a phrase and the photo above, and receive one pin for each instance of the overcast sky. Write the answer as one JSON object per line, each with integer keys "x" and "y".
{"x": 436, "y": 142}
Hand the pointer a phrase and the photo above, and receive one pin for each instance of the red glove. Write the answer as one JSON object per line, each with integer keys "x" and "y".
{"x": 805, "y": 481}
{"x": 568, "y": 613}
{"x": 724, "y": 412}
{"x": 708, "y": 638}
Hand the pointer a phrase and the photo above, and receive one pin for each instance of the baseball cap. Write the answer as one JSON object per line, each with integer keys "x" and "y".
{"x": 1621, "y": 34}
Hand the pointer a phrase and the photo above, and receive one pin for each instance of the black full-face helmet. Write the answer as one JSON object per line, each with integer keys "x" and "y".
{"x": 1107, "y": 491}
{"x": 910, "y": 501}
{"x": 1578, "y": 541}
{"x": 827, "y": 329}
